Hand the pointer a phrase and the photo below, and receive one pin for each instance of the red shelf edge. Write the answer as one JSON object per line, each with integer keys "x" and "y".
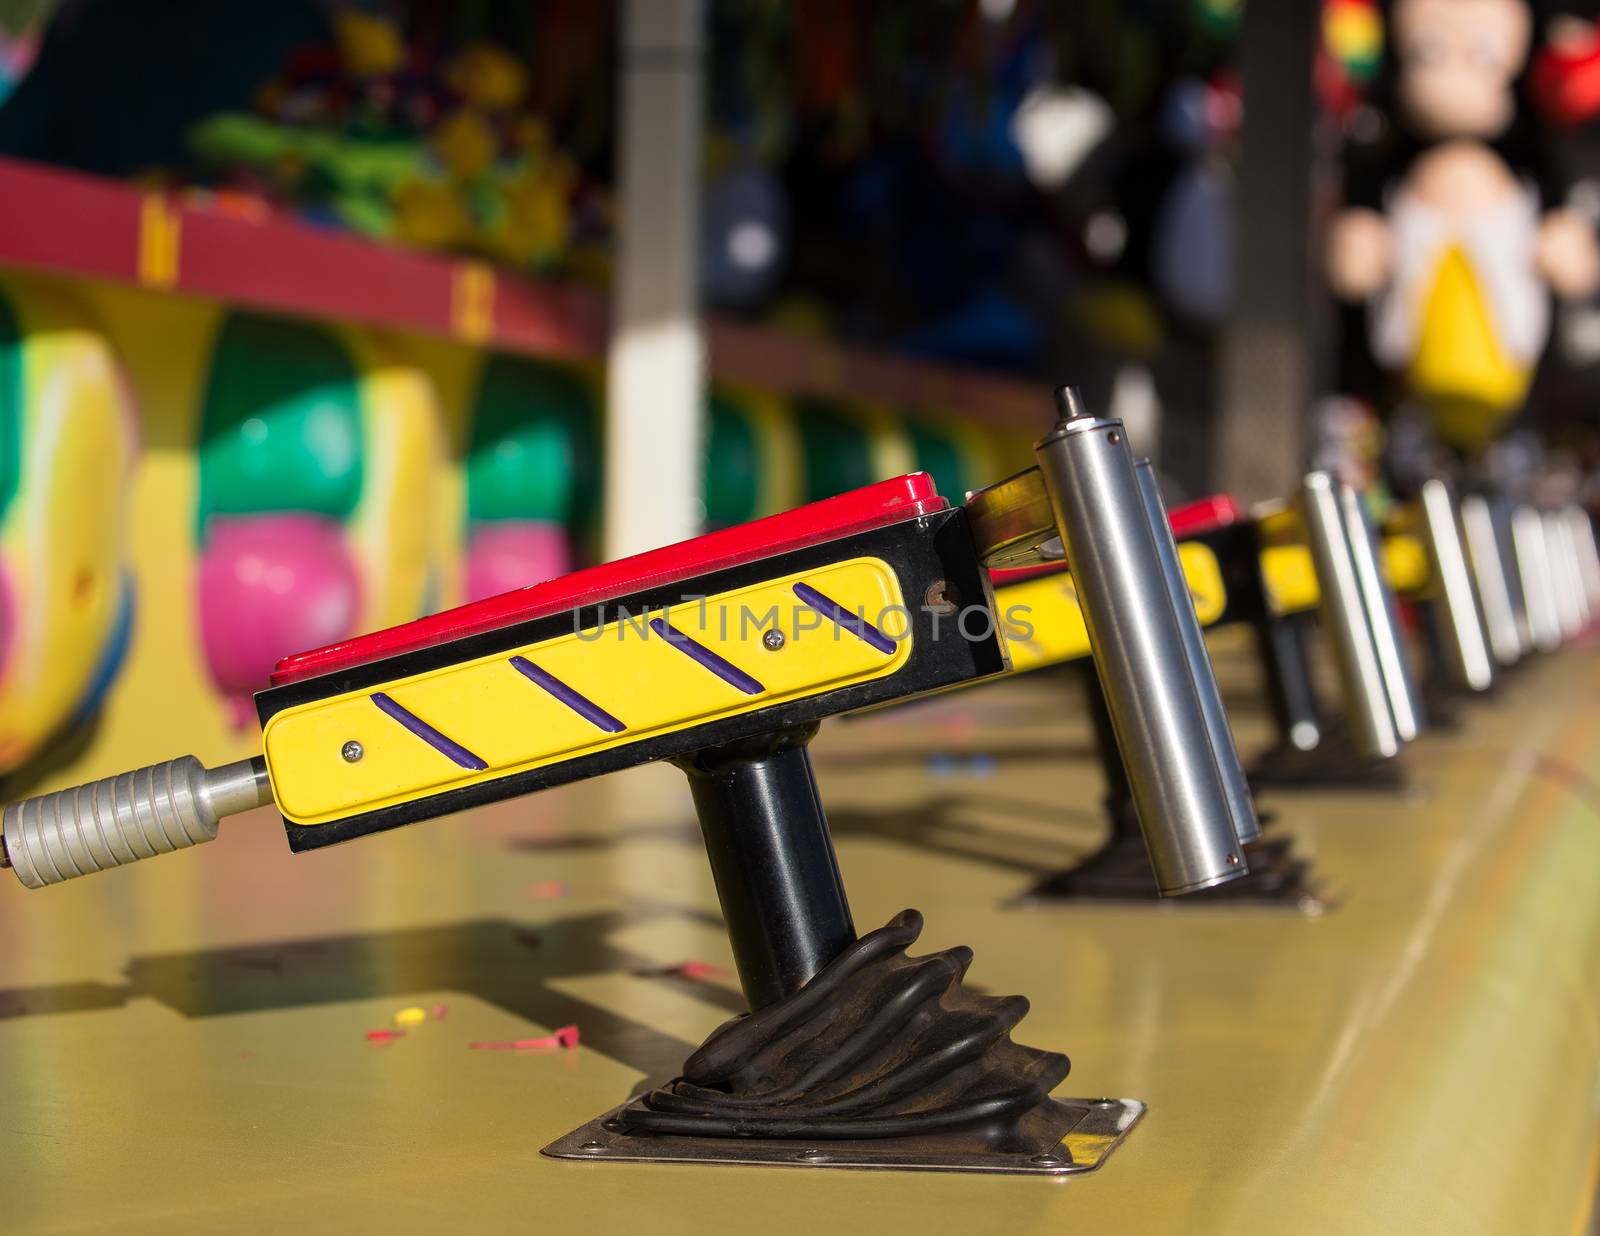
{"x": 69, "y": 223}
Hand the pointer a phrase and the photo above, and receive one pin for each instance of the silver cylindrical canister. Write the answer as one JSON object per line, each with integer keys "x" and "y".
{"x": 1466, "y": 645}
{"x": 1564, "y": 575}
{"x": 1505, "y": 537}
{"x": 1488, "y": 572}
{"x": 1588, "y": 555}
{"x": 1572, "y": 544}
{"x": 1139, "y": 654}
{"x": 1344, "y": 616}
{"x": 1382, "y": 617}
{"x": 1223, "y": 749}
{"x": 1533, "y": 567}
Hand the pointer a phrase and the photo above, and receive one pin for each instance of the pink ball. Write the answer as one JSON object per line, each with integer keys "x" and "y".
{"x": 509, "y": 554}
{"x": 271, "y": 585}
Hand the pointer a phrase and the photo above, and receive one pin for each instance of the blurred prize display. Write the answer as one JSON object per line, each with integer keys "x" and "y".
{"x": 17, "y": 50}
{"x": 386, "y": 133}
{"x": 883, "y": 173}
{"x": 1349, "y": 55}
{"x": 921, "y": 176}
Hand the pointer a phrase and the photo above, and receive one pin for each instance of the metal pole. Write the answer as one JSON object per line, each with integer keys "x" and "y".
{"x": 655, "y": 396}
{"x": 1571, "y": 539}
{"x": 1381, "y": 617}
{"x": 1344, "y": 616}
{"x": 1119, "y": 793}
{"x": 1464, "y": 643}
{"x": 1588, "y": 554}
{"x": 1511, "y": 568}
{"x": 1281, "y": 641}
{"x": 1488, "y": 569}
{"x": 1538, "y": 589}
{"x": 1138, "y": 650}
{"x": 772, "y": 859}
{"x": 1563, "y": 574}
{"x": 1223, "y": 749}
{"x": 1268, "y": 348}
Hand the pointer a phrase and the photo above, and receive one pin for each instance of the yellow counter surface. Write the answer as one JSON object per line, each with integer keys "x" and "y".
{"x": 182, "y": 1044}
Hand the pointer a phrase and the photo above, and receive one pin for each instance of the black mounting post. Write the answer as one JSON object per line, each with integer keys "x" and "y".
{"x": 1120, "y": 869}
{"x": 1119, "y": 794}
{"x": 772, "y": 859}
{"x": 1442, "y": 697}
{"x": 1313, "y": 749}
{"x": 1286, "y": 659}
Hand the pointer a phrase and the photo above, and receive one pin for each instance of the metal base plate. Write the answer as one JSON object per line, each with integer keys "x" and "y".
{"x": 1097, "y": 1128}
{"x": 1312, "y": 902}
{"x": 1119, "y": 874}
{"x": 1331, "y": 765}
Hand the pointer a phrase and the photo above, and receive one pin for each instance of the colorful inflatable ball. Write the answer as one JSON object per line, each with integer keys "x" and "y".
{"x": 752, "y": 458}
{"x": 68, "y": 440}
{"x": 318, "y": 456}
{"x": 956, "y": 454}
{"x": 532, "y": 473}
{"x": 845, "y": 445}
{"x": 272, "y": 584}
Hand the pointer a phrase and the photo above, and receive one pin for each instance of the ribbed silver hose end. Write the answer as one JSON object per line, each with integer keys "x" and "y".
{"x": 119, "y": 820}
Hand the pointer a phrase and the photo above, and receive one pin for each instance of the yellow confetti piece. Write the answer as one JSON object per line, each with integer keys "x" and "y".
{"x": 413, "y": 1016}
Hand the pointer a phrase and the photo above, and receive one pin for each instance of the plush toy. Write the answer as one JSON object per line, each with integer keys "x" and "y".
{"x": 1350, "y": 54}
{"x": 487, "y": 77}
{"x": 367, "y": 134}
{"x": 1191, "y": 248}
{"x": 370, "y": 44}
{"x": 1566, "y": 74}
{"x": 1454, "y": 232}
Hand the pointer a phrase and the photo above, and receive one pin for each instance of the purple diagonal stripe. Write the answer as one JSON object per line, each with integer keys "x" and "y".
{"x": 583, "y": 706}
{"x": 722, "y": 668}
{"x": 441, "y": 743}
{"x": 843, "y": 618}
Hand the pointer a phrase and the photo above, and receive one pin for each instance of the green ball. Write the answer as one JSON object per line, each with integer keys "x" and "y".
{"x": 733, "y": 465}
{"x": 281, "y": 422}
{"x": 938, "y": 454}
{"x": 535, "y": 445}
{"x": 837, "y": 451}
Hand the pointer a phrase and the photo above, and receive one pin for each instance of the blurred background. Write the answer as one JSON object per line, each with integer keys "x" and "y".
{"x": 317, "y": 316}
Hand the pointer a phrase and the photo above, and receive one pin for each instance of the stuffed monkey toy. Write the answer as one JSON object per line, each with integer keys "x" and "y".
{"x": 1454, "y": 232}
